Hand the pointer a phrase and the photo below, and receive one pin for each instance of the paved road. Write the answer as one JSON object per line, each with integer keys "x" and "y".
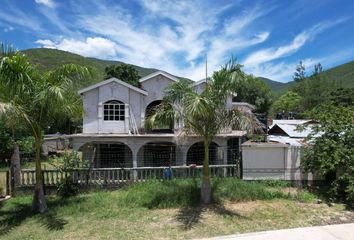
{"x": 328, "y": 232}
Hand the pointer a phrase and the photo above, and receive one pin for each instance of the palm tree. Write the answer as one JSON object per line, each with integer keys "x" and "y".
{"x": 204, "y": 113}
{"x": 38, "y": 99}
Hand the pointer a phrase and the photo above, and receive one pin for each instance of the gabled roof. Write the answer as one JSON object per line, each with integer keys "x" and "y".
{"x": 109, "y": 81}
{"x": 154, "y": 74}
{"x": 290, "y": 130}
{"x": 292, "y": 122}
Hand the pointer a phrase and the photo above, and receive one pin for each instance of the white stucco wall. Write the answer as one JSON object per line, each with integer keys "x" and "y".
{"x": 94, "y": 99}
{"x": 273, "y": 161}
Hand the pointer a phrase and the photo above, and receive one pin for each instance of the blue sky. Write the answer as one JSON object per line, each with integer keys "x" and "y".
{"x": 268, "y": 37}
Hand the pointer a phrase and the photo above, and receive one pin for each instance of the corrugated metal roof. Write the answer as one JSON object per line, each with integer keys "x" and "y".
{"x": 291, "y": 131}
{"x": 298, "y": 142}
{"x": 291, "y": 122}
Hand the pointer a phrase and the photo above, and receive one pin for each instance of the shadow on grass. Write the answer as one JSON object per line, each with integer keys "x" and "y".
{"x": 19, "y": 212}
{"x": 191, "y": 216}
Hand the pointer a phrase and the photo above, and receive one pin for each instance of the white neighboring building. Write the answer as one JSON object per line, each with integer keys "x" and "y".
{"x": 114, "y": 135}
{"x": 280, "y": 157}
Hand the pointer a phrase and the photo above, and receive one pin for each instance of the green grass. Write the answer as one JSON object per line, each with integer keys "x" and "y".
{"x": 163, "y": 210}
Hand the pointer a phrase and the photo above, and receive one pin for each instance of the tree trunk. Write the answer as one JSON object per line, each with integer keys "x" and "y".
{"x": 15, "y": 169}
{"x": 206, "y": 187}
{"x": 39, "y": 204}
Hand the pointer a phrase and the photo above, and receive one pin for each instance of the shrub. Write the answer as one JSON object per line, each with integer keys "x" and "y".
{"x": 64, "y": 164}
{"x": 67, "y": 188}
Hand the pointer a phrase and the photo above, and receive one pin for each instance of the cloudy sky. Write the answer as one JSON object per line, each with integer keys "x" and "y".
{"x": 268, "y": 37}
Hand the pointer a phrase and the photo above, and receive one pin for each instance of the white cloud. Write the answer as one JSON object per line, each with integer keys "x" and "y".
{"x": 8, "y": 29}
{"x": 91, "y": 47}
{"x": 48, "y": 3}
{"x": 16, "y": 16}
{"x": 269, "y": 54}
{"x": 152, "y": 41}
{"x": 283, "y": 71}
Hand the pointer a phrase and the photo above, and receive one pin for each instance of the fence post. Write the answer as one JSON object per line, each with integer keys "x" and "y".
{"x": 7, "y": 182}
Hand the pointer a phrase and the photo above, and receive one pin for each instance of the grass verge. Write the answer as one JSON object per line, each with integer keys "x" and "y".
{"x": 167, "y": 210}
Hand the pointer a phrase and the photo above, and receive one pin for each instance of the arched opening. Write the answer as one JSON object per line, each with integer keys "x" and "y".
{"x": 113, "y": 110}
{"x": 150, "y": 110}
{"x": 107, "y": 155}
{"x": 157, "y": 154}
{"x": 195, "y": 154}
{"x": 233, "y": 151}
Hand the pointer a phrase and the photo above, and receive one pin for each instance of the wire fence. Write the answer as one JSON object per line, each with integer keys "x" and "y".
{"x": 119, "y": 155}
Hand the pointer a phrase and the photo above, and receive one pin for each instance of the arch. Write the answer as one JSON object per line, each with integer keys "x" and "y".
{"x": 107, "y": 154}
{"x": 195, "y": 154}
{"x": 157, "y": 154}
{"x": 113, "y": 110}
{"x": 233, "y": 150}
{"x": 150, "y": 110}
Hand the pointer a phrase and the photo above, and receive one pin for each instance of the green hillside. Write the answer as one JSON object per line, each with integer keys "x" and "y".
{"x": 47, "y": 59}
{"x": 274, "y": 85}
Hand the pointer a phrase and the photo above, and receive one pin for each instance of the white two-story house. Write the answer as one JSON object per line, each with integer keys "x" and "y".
{"x": 113, "y": 128}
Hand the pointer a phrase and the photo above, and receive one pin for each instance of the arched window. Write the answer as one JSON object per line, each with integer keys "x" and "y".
{"x": 113, "y": 111}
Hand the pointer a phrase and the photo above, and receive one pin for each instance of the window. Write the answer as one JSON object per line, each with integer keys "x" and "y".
{"x": 113, "y": 111}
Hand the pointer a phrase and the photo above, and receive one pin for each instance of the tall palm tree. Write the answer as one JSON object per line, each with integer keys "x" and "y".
{"x": 203, "y": 113}
{"x": 38, "y": 99}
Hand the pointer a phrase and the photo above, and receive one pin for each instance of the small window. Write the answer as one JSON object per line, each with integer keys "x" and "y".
{"x": 113, "y": 111}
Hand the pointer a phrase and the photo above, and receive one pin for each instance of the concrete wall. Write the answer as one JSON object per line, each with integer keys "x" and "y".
{"x": 273, "y": 161}
{"x": 94, "y": 99}
{"x": 134, "y": 101}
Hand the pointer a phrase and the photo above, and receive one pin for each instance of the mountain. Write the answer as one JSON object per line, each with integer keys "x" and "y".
{"x": 47, "y": 59}
{"x": 342, "y": 75}
{"x": 274, "y": 85}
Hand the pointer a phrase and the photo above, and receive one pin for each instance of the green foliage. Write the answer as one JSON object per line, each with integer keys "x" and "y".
{"x": 124, "y": 72}
{"x": 70, "y": 160}
{"x": 331, "y": 146}
{"x": 288, "y": 102}
{"x": 254, "y": 91}
{"x": 300, "y": 73}
{"x": 67, "y": 188}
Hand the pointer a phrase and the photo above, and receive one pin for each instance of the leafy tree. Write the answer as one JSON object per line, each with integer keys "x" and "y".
{"x": 300, "y": 73}
{"x": 333, "y": 150}
{"x": 201, "y": 113}
{"x": 288, "y": 102}
{"x": 124, "y": 72}
{"x": 38, "y": 99}
{"x": 254, "y": 91}
{"x": 317, "y": 69}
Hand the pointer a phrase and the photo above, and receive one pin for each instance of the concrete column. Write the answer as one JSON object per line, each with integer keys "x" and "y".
{"x": 135, "y": 161}
{"x": 127, "y": 118}
{"x": 181, "y": 155}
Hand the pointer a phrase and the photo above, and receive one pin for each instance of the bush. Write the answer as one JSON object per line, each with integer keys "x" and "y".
{"x": 67, "y": 188}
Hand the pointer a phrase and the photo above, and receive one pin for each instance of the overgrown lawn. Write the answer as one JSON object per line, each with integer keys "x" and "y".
{"x": 168, "y": 210}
